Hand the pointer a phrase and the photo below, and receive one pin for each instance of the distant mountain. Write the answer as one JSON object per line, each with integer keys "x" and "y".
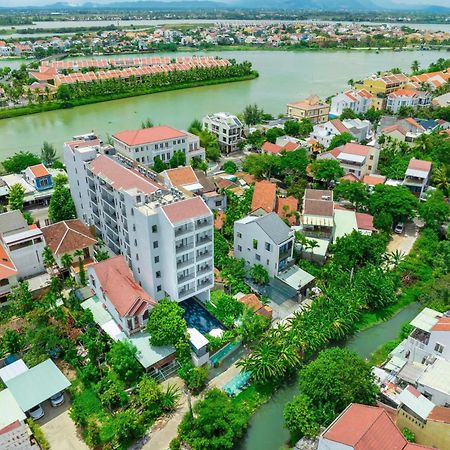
{"x": 324, "y": 5}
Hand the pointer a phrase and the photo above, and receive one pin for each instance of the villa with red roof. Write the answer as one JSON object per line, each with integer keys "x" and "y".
{"x": 264, "y": 197}
{"x": 361, "y": 427}
{"x": 417, "y": 176}
{"x": 360, "y": 160}
{"x": 122, "y": 296}
{"x": 359, "y": 101}
{"x": 276, "y": 149}
{"x": 39, "y": 177}
{"x": 145, "y": 144}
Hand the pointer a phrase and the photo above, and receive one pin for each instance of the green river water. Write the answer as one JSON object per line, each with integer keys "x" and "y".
{"x": 284, "y": 76}
{"x": 266, "y": 429}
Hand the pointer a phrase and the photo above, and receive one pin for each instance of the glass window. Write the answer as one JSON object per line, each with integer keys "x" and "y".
{"x": 155, "y": 244}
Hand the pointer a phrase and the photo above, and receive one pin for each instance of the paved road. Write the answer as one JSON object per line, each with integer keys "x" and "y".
{"x": 405, "y": 241}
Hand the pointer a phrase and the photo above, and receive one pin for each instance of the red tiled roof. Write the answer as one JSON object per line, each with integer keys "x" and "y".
{"x": 339, "y": 126}
{"x": 119, "y": 285}
{"x": 146, "y": 135}
{"x": 418, "y": 164}
{"x": 67, "y": 236}
{"x": 443, "y": 324}
{"x": 271, "y": 148}
{"x": 373, "y": 180}
{"x": 264, "y": 196}
{"x": 318, "y": 194}
{"x": 403, "y": 93}
{"x": 7, "y": 267}
{"x": 224, "y": 183}
{"x": 120, "y": 177}
{"x": 439, "y": 414}
{"x": 292, "y": 206}
{"x": 10, "y": 427}
{"x": 365, "y": 222}
{"x": 186, "y": 209}
{"x": 182, "y": 175}
{"x": 392, "y": 128}
{"x": 350, "y": 177}
{"x": 414, "y": 123}
{"x": 352, "y": 148}
{"x": 366, "y": 428}
{"x": 39, "y": 170}
{"x": 290, "y": 146}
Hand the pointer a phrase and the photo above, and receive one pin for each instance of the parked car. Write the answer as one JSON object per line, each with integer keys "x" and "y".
{"x": 36, "y": 413}
{"x": 57, "y": 399}
{"x": 399, "y": 228}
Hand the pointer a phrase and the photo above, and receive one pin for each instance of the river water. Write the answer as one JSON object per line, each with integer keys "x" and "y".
{"x": 266, "y": 429}
{"x": 284, "y": 76}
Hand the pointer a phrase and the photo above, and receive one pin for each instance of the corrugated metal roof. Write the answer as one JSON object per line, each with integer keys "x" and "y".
{"x": 437, "y": 376}
{"x": 13, "y": 370}
{"x": 416, "y": 402}
{"x": 426, "y": 319}
{"x": 295, "y": 277}
{"x": 37, "y": 384}
{"x": 10, "y": 410}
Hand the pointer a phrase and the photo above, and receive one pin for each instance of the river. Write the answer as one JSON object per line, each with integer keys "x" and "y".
{"x": 284, "y": 76}
{"x": 266, "y": 429}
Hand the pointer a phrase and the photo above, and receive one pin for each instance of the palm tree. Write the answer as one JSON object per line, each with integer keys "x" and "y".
{"x": 47, "y": 255}
{"x": 415, "y": 66}
{"x": 66, "y": 261}
{"x": 441, "y": 179}
{"x": 312, "y": 245}
{"x": 393, "y": 259}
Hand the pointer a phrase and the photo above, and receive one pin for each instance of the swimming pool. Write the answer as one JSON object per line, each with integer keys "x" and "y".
{"x": 197, "y": 316}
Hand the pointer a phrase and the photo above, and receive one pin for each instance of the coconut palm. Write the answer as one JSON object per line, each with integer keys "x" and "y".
{"x": 312, "y": 245}
{"x": 66, "y": 261}
{"x": 415, "y": 66}
{"x": 441, "y": 179}
{"x": 47, "y": 255}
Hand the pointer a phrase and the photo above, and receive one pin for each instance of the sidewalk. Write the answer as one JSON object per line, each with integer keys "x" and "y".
{"x": 165, "y": 430}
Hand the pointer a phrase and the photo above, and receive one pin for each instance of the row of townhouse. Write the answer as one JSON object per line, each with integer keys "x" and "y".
{"x": 165, "y": 235}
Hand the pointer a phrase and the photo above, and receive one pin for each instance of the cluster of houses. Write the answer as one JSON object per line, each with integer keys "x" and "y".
{"x": 226, "y": 33}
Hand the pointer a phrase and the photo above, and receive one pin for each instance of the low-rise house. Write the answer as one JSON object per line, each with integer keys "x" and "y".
{"x": 429, "y": 423}
{"x": 24, "y": 244}
{"x": 264, "y": 197}
{"x": 317, "y": 217}
{"x": 362, "y": 427}
{"x": 407, "y": 98}
{"x": 312, "y": 108}
{"x": 373, "y": 180}
{"x": 277, "y": 149}
{"x": 360, "y": 160}
{"x": 324, "y": 133}
{"x": 115, "y": 286}
{"x": 346, "y": 221}
{"x": 403, "y": 130}
{"x": 70, "y": 237}
{"x": 228, "y": 129}
{"x": 8, "y": 275}
{"x": 264, "y": 240}
{"x": 251, "y": 301}
{"x": 417, "y": 176}
{"x": 287, "y": 209}
{"x": 145, "y": 144}
{"x": 358, "y": 101}
{"x": 360, "y": 129}
{"x": 434, "y": 383}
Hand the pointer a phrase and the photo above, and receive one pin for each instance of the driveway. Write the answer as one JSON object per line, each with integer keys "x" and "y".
{"x": 59, "y": 429}
{"x": 405, "y": 241}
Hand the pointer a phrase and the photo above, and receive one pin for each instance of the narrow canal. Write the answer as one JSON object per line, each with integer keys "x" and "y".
{"x": 266, "y": 430}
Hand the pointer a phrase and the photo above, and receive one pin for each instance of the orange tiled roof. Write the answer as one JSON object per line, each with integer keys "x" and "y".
{"x": 7, "y": 267}
{"x": 292, "y": 205}
{"x": 264, "y": 196}
{"x": 182, "y": 175}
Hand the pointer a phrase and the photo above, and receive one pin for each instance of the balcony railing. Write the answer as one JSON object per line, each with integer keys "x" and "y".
{"x": 185, "y": 292}
{"x": 185, "y": 277}
{"x": 204, "y": 270}
{"x": 188, "y": 262}
{"x": 204, "y": 282}
{"x": 204, "y": 255}
{"x": 183, "y": 230}
{"x": 202, "y": 223}
{"x": 204, "y": 240}
{"x": 180, "y": 248}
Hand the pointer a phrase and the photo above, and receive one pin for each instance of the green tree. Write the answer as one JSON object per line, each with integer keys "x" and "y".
{"x": 48, "y": 154}
{"x": 11, "y": 342}
{"x": 335, "y": 379}
{"x": 252, "y": 114}
{"x": 392, "y": 202}
{"x": 215, "y": 425}
{"x": 111, "y": 391}
{"x": 20, "y": 161}
{"x": 178, "y": 159}
{"x": 64, "y": 93}
{"x": 415, "y": 66}
{"x": 230, "y": 167}
{"x": 195, "y": 127}
{"x": 306, "y": 127}
{"x": 49, "y": 259}
{"x": 66, "y": 261}
{"x": 122, "y": 428}
{"x": 61, "y": 205}
{"x": 148, "y": 392}
{"x": 122, "y": 359}
{"x": 435, "y": 210}
{"x": 326, "y": 170}
{"x": 158, "y": 164}
{"x": 273, "y": 133}
{"x": 261, "y": 166}
{"x": 147, "y": 123}
{"x": 21, "y": 299}
{"x": 15, "y": 197}
{"x": 340, "y": 139}
{"x": 292, "y": 128}
{"x": 300, "y": 417}
{"x": 259, "y": 274}
{"x": 348, "y": 113}
{"x": 166, "y": 324}
{"x": 356, "y": 193}
{"x": 292, "y": 165}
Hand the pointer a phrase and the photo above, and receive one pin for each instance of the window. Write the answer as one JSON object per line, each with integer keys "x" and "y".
{"x": 438, "y": 347}
{"x": 258, "y": 257}
{"x": 135, "y": 243}
{"x": 155, "y": 244}
{"x": 158, "y": 274}
{"x": 239, "y": 235}
{"x": 239, "y": 248}
{"x": 137, "y": 256}
{"x": 154, "y": 228}
{"x": 158, "y": 288}
{"x": 268, "y": 247}
{"x": 156, "y": 259}
{"x": 267, "y": 262}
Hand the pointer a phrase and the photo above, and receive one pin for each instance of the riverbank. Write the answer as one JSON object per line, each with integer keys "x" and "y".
{"x": 55, "y": 105}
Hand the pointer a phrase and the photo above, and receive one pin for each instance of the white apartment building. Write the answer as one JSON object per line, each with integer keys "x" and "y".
{"x": 264, "y": 240}
{"x": 407, "y": 98}
{"x": 165, "y": 236}
{"x": 323, "y": 133}
{"x": 358, "y": 101}
{"x": 145, "y": 144}
{"x": 228, "y": 129}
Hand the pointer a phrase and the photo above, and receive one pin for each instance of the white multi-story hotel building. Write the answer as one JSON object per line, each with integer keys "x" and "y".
{"x": 228, "y": 129}
{"x": 359, "y": 101}
{"x": 165, "y": 236}
{"x": 145, "y": 144}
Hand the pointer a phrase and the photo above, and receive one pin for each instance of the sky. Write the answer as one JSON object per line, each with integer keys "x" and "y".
{"x": 46, "y": 2}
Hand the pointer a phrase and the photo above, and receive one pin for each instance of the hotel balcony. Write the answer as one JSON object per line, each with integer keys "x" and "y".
{"x": 202, "y": 223}
{"x": 179, "y": 231}
{"x": 184, "y": 247}
{"x": 186, "y": 263}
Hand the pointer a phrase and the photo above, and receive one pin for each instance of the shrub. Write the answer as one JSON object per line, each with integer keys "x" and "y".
{"x": 85, "y": 404}
{"x": 38, "y": 434}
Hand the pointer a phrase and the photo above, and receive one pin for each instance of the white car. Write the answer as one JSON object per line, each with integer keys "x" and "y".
{"x": 399, "y": 228}
{"x": 57, "y": 399}
{"x": 36, "y": 413}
